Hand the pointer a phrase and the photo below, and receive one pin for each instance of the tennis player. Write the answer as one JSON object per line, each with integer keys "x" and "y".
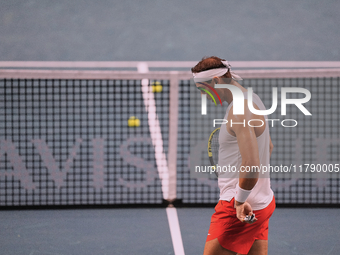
{"x": 233, "y": 227}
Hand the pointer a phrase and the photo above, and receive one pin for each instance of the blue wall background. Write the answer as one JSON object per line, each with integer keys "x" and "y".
{"x": 104, "y": 30}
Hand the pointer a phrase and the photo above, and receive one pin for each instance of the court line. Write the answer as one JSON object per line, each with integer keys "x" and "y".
{"x": 175, "y": 231}
{"x": 162, "y": 166}
{"x": 155, "y": 131}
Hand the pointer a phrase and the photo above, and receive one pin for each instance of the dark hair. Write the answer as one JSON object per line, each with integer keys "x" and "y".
{"x": 208, "y": 63}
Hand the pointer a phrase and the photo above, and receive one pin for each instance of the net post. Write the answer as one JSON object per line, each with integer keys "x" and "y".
{"x": 173, "y": 135}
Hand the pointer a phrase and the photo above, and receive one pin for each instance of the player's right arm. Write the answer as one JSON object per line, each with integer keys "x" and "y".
{"x": 247, "y": 143}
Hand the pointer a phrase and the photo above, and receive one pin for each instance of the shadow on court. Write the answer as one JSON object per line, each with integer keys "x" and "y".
{"x": 146, "y": 231}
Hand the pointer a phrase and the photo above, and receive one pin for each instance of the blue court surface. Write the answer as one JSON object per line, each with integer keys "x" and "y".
{"x": 146, "y": 231}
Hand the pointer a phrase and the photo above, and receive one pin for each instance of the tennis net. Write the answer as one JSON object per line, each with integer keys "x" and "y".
{"x": 83, "y": 137}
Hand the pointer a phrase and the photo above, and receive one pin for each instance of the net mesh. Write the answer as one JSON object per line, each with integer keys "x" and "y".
{"x": 66, "y": 142}
{"x": 78, "y": 142}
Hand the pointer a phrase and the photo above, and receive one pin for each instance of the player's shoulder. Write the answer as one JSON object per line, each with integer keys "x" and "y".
{"x": 245, "y": 115}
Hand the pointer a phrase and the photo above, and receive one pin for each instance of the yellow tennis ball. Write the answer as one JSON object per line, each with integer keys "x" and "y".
{"x": 159, "y": 88}
{"x": 133, "y": 122}
{"x": 156, "y": 87}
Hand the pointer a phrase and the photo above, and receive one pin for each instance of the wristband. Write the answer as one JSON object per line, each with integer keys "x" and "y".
{"x": 241, "y": 194}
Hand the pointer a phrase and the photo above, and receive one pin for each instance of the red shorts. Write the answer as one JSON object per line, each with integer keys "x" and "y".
{"x": 235, "y": 235}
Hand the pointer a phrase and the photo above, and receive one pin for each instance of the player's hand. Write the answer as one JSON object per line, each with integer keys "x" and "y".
{"x": 244, "y": 212}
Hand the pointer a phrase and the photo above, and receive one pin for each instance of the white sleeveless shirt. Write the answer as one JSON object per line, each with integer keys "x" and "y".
{"x": 229, "y": 155}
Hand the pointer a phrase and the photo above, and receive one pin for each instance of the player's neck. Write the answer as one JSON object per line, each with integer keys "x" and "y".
{"x": 228, "y": 95}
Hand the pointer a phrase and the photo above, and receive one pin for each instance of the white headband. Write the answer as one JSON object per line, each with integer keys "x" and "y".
{"x": 217, "y": 72}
